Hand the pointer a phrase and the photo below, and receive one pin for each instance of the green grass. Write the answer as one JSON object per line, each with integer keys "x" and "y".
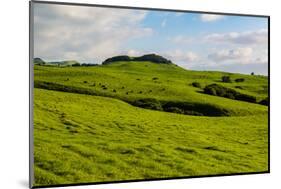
{"x": 82, "y": 138}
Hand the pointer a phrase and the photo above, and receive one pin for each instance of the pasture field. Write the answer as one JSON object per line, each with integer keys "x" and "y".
{"x": 87, "y": 129}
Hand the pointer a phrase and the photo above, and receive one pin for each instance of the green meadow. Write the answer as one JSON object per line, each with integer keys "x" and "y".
{"x": 89, "y": 125}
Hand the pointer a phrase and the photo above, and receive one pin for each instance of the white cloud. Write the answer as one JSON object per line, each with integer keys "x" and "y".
{"x": 133, "y": 52}
{"x": 245, "y": 38}
{"x": 243, "y": 55}
{"x": 182, "y": 56}
{"x": 84, "y": 33}
{"x": 210, "y": 17}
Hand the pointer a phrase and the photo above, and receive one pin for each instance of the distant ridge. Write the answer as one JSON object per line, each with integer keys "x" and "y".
{"x": 39, "y": 61}
{"x": 148, "y": 57}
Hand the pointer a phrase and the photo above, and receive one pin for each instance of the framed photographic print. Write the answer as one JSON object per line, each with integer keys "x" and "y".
{"x": 121, "y": 94}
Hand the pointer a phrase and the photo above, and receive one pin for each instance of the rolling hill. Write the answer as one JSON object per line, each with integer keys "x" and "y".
{"x": 118, "y": 121}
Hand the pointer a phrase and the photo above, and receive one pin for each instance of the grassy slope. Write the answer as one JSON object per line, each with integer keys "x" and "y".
{"x": 82, "y": 138}
{"x": 176, "y": 81}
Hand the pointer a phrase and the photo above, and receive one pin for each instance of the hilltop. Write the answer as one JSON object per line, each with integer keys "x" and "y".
{"x": 154, "y": 58}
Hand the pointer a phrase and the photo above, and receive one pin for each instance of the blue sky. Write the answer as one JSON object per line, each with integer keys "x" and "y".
{"x": 191, "y": 40}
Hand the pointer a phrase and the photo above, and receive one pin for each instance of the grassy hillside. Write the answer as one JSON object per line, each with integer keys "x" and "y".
{"x": 101, "y": 137}
{"x": 137, "y": 80}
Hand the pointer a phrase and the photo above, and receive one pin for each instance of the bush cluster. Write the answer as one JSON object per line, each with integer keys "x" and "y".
{"x": 181, "y": 107}
{"x": 240, "y": 80}
{"x": 226, "y": 79}
{"x": 148, "y": 57}
{"x": 196, "y": 84}
{"x": 218, "y": 90}
{"x": 148, "y": 103}
{"x": 64, "y": 88}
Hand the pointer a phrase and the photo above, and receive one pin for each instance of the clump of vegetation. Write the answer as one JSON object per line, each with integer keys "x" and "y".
{"x": 196, "y": 84}
{"x": 148, "y": 103}
{"x": 226, "y": 79}
{"x": 265, "y": 101}
{"x": 240, "y": 80}
{"x": 155, "y": 78}
{"x": 85, "y": 81}
{"x": 148, "y": 57}
{"x": 114, "y": 90}
{"x": 103, "y": 87}
{"x": 116, "y": 59}
{"x": 218, "y": 90}
{"x": 138, "y": 79}
{"x": 88, "y": 64}
{"x": 59, "y": 87}
{"x": 76, "y": 65}
{"x": 153, "y": 58}
{"x": 174, "y": 110}
{"x": 196, "y": 109}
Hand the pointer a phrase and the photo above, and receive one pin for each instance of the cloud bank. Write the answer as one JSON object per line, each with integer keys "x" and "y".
{"x": 84, "y": 33}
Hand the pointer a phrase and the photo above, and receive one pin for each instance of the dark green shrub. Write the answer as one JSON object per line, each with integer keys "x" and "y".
{"x": 226, "y": 79}
{"x": 152, "y": 58}
{"x": 190, "y": 112}
{"x": 174, "y": 110}
{"x": 148, "y": 103}
{"x": 116, "y": 59}
{"x": 196, "y": 84}
{"x": 245, "y": 97}
{"x": 218, "y": 90}
{"x": 148, "y": 57}
{"x": 85, "y": 81}
{"x": 193, "y": 108}
{"x": 114, "y": 90}
{"x": 75, "y": 65}
{"x": 211, "y": 90}
{"x": 64, "y": 88}
{"x": 264, "y": 101}
{"x": 155, "y": 78}
{"x": 240, "y": 80}
{"x": 229, "y": 95}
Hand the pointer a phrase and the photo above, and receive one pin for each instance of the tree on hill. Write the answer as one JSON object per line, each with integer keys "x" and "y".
{"x": 116, "y": 59}
{"x": 148, "y": 57}
{"x": 153, "y": 58}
